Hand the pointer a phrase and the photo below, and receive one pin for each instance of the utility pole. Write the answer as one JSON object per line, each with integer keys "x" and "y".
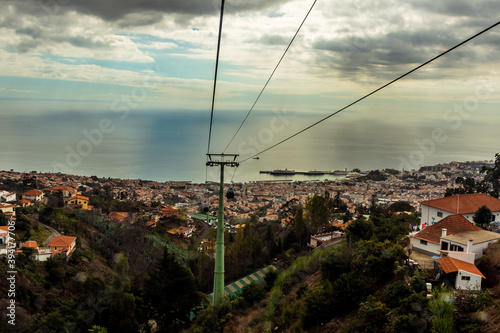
{"x": 222, "y": 161}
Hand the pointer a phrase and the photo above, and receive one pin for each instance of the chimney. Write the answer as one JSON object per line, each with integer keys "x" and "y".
{"x": 469, "y": 245}
{"x": 443, "y": 232}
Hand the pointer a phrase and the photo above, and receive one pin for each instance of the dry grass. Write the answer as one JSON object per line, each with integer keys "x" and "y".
{"x": 492, "y": 324}
{"x": 247, "y": 322}
{"x": 493, "y": 254}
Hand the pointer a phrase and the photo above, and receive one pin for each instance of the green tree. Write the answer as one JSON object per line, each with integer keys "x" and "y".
{"x": 172, "y": 292}
{"x": 443, "y": 312}
{"x": 318, "y": 211}
{"x": 270, "y": 241}
{"x": 483, "y": 217}
{"x": 492, "y": 178}
{"x": 3, "y": 219}
{"x": 361, "y": 229}
{"x": 373, "y": 203}
{"x": 395, "y": 293}
{"x": 338, "y": 205}
{"x": 373, "y": 315}
{"x": 347, "y": 216}
{"x": 120, "y": 314}
{"x": 299, "y": 225}
{"x": 401, "y": 206}
{"x": 98, "y": 329}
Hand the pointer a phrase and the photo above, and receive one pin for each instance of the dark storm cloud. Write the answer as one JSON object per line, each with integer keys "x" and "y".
{"x": 388, "y": 54}
{"x": 113, "y": 10}
{"x": 478, "y": 9}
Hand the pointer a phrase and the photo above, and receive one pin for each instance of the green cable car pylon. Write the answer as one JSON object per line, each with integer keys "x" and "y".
{"x": 221, "y": 160}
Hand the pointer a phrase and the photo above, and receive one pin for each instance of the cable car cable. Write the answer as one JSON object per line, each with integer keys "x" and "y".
{"x": 270, "y": 77}
{"x": 215, "y": 76}
{"x": 374, "y": 91}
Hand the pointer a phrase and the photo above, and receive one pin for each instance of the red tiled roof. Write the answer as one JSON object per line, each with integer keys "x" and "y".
{"x": 24, "y": 201}
{"x": 118, "y": 216}
{"x": 464, "y": 203}
{"x": 170, "y": 209}
{"x": 6, "y": 205}
{"x": 31, "y": 244}
{"x": 454, "y": 224}
{"x": 63, "y": 188}
{"x": 451, "y": 265}
{"x": 81, "y": 197}
{"x": 33, "y": 193}
{"x": 4, "y": 228}
{"x": 62, "y": 241}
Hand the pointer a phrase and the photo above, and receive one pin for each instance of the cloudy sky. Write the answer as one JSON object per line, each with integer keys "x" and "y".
{"x": 158, "y": 55}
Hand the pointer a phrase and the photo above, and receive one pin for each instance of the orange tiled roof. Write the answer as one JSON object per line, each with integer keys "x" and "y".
{"x": 62, "y": 241}
{"x": 118, "y": 216}
{"x": 24, "y": 201}
{"x": 4, "y": 228}
{"x": 451, "y": 265}
{"x": 6, "y": 205}
{"x": 170, "y": 209}
{"x": 62, "y": 188}
{"x": 81, "y": 197}
{"x": 464, "y": 203}
{"x": 455, "y": 224}
{"x": 31, "y": 244}
{"x": 33, "y": 193}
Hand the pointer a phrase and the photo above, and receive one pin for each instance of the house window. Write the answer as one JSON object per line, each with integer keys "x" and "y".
{"x": 440, "y": 214}
{"x": 422, "y": 242}
{"x": 454, "y": 247}
{"x": 444, "y": 246}
{"x": 465, "y": 278}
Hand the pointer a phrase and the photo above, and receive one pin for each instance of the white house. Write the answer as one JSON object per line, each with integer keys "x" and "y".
{"x": 459, "y": 269}
{"x": 428, "y": 240}
{"x": 181, "y": 231}
{"x": 7, "y": 196}
{"x": 33, "y": 195}
{"x": 8, "y": 209}
{"x": 475, "y": 241}
{"x": 39, "y": 253}
{"x": 4, "y": 233}
{"x": 463, "y": 204}
{"x": 461, "y": 274}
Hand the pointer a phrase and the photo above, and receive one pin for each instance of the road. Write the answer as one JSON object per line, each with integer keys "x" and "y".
{"x": 203, "y": 234}
{"x": 55, "y": 233}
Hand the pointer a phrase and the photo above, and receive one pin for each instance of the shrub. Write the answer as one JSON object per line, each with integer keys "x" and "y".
{"x": 396, "y": 292}
{"x": 417, "y": 283}
{"x": 373, "y": 315}
{"x": 253, "y": 292}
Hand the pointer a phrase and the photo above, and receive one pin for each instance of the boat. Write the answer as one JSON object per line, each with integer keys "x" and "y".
{"x": 283, "y": 172}
{"x": 314, "y": 173}
{"x": 339, "y": 172}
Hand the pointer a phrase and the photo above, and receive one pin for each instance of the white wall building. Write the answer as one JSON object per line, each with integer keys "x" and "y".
{"x": 429, "y": 240}
{"x": 472, "y": 241}
{"x": 463, "y": 204}
{"x": 7, "y": 196}
{"x": 459, "y": 269}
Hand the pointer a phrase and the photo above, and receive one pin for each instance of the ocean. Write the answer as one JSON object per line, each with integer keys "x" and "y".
{"x": 172, "y": 145}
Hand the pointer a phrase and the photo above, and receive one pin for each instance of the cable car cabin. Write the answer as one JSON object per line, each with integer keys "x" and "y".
{"x": 230, "y": 194}
{"x": 205, "y": 209}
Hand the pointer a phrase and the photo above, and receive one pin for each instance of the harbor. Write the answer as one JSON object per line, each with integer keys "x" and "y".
{"x": 287, "y": 172}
